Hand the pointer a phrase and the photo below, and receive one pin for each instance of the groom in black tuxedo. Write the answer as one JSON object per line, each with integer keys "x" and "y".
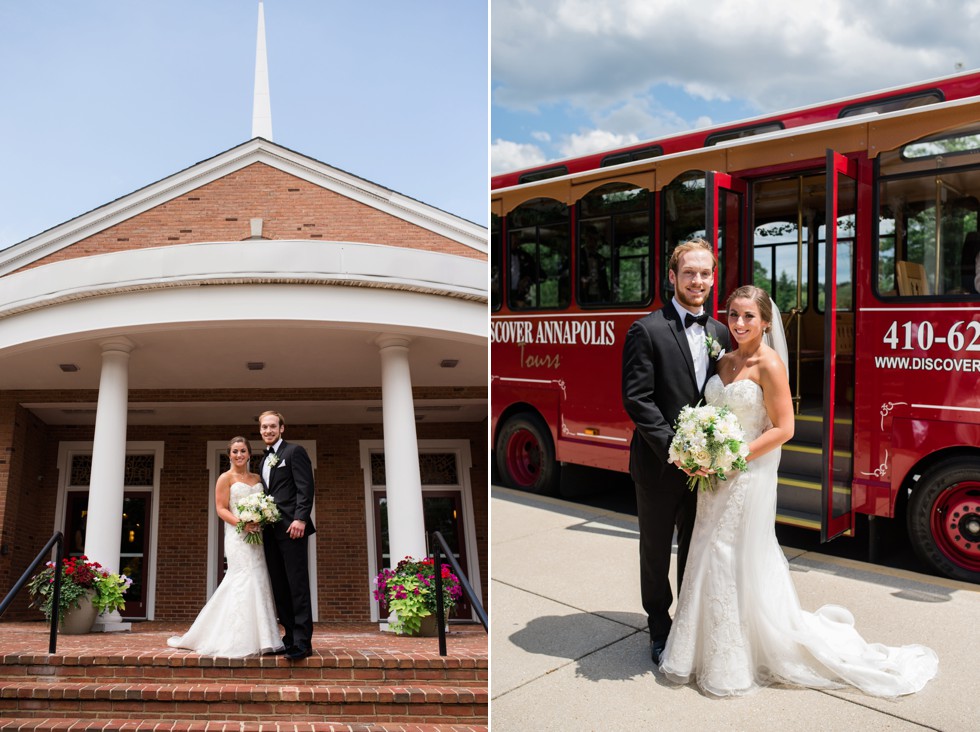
{"x": 665, "y": 366}
{"x": 287, "y": 475}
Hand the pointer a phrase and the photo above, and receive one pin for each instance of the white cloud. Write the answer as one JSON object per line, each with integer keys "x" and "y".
{"x": 638, "y": 117}
{"x": 702, "y": 122}
{"x": 593, "y": 141}
{"x": 603, "y": 73}
{"x": 592, "y": 54}
{"x": 506, "y": 156}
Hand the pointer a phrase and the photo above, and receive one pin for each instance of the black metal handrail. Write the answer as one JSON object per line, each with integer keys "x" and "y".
{"x": 59, "y": 540}
{"x": 440, "y": 547}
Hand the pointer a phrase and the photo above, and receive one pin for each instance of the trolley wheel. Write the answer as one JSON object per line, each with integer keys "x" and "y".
{"x": 525, "y": 455}
{"x": 944, "y": 519}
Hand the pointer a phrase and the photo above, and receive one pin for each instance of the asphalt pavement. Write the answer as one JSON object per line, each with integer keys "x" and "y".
{"x": 570, "y": 651}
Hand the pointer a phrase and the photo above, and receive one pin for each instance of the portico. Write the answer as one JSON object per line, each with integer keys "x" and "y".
{"x": 116, "y": 336}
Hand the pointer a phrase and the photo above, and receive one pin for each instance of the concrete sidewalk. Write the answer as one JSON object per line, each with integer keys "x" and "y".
{"x": 569, "y": 648}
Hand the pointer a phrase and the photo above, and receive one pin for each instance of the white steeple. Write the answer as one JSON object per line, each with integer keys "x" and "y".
{"x": 261, "y": 103}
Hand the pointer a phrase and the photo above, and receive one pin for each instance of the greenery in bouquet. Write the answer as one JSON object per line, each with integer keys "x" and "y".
{"x": 256, "y": 508}
{"x": 79, "y": 575}
{"x": 708, "y": 438}
{"x": 409, "y": 590}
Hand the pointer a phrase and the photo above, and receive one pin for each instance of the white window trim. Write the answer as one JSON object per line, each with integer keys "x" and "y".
{"x": 67, "y": 450}
{"x": 216, "y": 448}
{"x": 464, "y": 462}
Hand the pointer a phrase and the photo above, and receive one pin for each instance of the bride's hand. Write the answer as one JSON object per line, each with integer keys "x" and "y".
{"x": 706, "y": 472}
{"x": 252, "y": 528}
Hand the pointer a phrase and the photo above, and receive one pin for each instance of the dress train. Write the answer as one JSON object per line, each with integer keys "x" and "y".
{"x": 240, "y": 618}
{"x": 739, "y": 625}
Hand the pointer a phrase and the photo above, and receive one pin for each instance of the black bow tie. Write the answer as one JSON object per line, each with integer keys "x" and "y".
{"x": 690, "y": 320}
{"x": 269, "y": 451}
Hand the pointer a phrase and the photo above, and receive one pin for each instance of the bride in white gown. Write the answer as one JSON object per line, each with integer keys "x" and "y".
{"x": 739, "y": 625}
{"x": 240, "y": 618}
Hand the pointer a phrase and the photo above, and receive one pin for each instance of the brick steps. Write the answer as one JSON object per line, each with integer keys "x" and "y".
{"x": 129, "y": 725}
{"x": 323, "y": 670}
{"x": 357, "y": 680}
{"x": 289, "y": 701}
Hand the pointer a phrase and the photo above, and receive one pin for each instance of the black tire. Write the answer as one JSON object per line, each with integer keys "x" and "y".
{"x": 944, "y": 518}
{"x": 525, "y": 455}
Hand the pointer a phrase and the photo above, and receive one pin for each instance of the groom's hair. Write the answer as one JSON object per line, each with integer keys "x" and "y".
{"x": 271, "y": 413}
{"x": 690, "y": 246}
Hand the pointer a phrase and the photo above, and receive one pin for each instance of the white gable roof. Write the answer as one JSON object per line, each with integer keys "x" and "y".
{"x": 256, "y": 150}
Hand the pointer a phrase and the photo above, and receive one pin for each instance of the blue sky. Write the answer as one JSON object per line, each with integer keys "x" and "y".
{"x": 576, "y": 76}
{"x": 102, "y": 97}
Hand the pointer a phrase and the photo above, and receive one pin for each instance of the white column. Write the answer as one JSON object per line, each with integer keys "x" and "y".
{"x": 403, "y": 484}
{"x": 105, "y": 499}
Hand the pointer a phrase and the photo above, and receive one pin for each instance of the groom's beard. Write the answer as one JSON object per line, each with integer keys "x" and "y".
{"x": 688, "y": 302}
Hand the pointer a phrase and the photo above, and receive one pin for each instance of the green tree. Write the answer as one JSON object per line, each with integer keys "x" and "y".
{"x": 785, "y": 292}
{"x": 760, "y": 277}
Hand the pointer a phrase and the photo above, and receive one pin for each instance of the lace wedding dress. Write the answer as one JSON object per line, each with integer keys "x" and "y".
{"x": 240, "y": 618}
{"x": 739, "y": 625}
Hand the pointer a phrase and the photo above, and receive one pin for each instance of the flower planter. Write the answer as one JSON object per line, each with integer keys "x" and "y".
{"x": 409, "y": 589}
{"x": 82, "y": 580}
{"x": 79, "y": 620}
{"x": 428, "y": 629}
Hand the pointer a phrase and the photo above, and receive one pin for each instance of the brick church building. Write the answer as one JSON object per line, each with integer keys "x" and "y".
{"x": 138, "y": 338}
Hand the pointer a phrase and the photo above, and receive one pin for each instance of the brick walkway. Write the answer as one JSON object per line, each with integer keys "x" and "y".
{"x": 149, "y": 640}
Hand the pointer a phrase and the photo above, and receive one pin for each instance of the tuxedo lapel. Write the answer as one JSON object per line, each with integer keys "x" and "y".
{"x": 278, "y": 453}
{"x": 272, "y": 469}
{"x": 680, "y": 337}
{"x": 714, "y": 330}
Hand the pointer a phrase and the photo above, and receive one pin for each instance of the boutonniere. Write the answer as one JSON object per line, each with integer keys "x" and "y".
{"x": 273, "y": 460}
{"x": 715, "y": 349}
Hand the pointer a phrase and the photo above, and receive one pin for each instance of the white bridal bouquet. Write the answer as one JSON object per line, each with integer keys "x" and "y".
{"x": 257, "y": 508}
{"x": 711, "y": 438}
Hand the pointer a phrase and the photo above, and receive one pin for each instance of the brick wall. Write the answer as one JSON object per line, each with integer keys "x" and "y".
{"x": 21, "y": 510}
{"x": 291, "y": 208}
{"x": 30, "y": 493}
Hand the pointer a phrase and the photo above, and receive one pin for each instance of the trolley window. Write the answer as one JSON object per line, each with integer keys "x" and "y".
{"x": 629, "y": 156}
{"x": 741, "y": 132}
{"x": 536, "y": 175}
{"x": 928, "y": 233}
{"x": 538, "y": 247}
{"x": 893, "y": 104}
{"x": 614, "y": 246}
{"x": 496, "y": 260}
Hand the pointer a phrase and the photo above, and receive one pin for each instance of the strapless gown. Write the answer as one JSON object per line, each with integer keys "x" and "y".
{"x": 739, "y": 625}
{"x": 240, "y": 618}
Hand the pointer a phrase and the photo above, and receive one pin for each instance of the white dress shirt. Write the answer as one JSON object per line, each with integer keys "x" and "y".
{"x": 265, "y": 462}
{"x": 695, "y": 339}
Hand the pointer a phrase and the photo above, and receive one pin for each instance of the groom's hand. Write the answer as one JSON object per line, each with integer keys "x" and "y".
{"x": 296, "y": 529}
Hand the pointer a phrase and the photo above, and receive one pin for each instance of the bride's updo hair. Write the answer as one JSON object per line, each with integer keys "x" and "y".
{"x": 759, "y": 296}
{"x": 234, "y": 440}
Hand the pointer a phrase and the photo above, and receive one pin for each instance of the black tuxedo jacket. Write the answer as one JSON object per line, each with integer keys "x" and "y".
{"x": 659, "y": 381}
{"x": 291, "y": 486}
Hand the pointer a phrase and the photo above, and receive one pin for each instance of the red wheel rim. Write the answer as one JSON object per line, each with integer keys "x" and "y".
{"x": 524, "y": 458}
{"x": 955, "y": 524}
